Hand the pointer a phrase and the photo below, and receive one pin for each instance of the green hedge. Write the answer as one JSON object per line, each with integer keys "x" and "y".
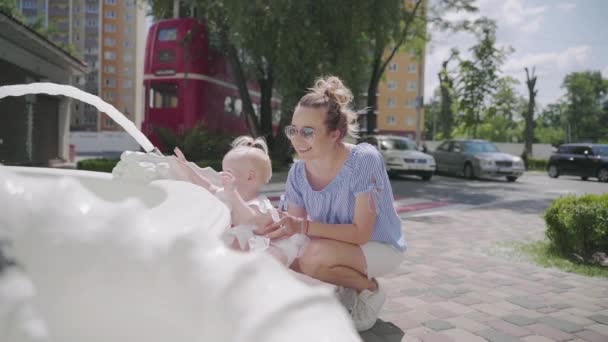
{"x": 101, "y": 165}
{"x": 578, "y": 225}
{"x": 537, "y": 164}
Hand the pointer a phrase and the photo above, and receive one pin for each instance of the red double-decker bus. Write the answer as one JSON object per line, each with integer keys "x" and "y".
{"x": 187, "y": 82}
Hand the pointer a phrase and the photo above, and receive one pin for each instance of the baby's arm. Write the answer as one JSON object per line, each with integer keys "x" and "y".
{"x": 242, "y": 213}
{"x": 194, "y": 176}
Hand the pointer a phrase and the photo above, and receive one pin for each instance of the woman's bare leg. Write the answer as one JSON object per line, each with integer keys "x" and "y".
{"x": 336, "y": 262}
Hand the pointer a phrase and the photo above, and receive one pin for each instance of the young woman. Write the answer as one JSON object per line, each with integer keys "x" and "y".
{"x": 340, "y": 196}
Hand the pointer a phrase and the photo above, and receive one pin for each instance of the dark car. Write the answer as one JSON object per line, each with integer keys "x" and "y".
{"x": 583, "y": 160}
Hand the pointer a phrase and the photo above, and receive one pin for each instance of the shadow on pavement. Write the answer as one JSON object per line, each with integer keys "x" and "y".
{"x": 383, "y": 332}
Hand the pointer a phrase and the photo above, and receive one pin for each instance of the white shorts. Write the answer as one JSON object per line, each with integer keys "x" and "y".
{"x": 381, "y": 258}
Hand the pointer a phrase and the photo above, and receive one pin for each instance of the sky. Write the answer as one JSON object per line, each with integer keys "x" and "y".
{"x": 557, "y": 37}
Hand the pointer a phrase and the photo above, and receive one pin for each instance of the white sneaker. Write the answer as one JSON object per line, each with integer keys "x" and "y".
{"x": 347, "y": 297}
{"x": 367, "y": 308}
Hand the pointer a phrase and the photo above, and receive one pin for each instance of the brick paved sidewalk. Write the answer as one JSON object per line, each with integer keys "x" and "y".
{"x": 457, "y": 284}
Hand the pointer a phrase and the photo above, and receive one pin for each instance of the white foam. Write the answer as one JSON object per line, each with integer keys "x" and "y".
{"x": 109, "y": 260}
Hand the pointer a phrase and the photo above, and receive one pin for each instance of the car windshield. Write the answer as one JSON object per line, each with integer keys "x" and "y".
{"x": 398, "y": 144}
{"x": 602, "y": 150}
{"x": 479, "y": 147}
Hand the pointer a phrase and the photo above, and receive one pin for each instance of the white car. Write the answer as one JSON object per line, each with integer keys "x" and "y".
{"x": 401, "y": 156}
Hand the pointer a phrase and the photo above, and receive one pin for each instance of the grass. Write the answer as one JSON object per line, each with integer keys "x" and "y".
{"x": 541, "y": 253}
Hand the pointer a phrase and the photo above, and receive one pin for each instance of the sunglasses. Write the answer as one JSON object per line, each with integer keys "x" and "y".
{"x": 308, "y": 133}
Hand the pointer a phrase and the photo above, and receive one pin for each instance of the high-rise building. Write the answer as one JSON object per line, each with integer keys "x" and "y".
{"x": 400, "y": 95}
{"x": 105, "y": 33}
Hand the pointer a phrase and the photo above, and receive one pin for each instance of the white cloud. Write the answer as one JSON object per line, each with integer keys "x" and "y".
{"x": 561, "y": 60}
{"x": 566, "y": 6}
{"x": 528, "y": 18}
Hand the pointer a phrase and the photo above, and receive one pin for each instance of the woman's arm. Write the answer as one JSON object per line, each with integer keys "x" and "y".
{"x": 359, "y": 232}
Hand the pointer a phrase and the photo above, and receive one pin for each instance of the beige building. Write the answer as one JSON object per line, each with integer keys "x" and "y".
{"x": 107, "y": 34}
{"x": 399, "y": 95}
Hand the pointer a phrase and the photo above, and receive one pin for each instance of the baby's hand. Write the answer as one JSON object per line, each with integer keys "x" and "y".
{"x": 227, "y": 181}
{"x": 180, "y": 156}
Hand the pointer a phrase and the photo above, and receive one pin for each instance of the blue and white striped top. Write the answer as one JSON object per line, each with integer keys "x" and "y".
{"x": 335, "y": 204}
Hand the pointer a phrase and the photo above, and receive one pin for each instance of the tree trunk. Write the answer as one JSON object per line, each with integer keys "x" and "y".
{"x": 529, "y": 130}
{"x": 372, "y": 91}
{"x": 241, "y": 83}
{"x": 266, "y": 85}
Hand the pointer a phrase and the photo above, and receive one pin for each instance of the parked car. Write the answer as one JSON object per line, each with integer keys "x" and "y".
{"x": 477, "y": 158}
{"x": 401, "y": 156}
{"x": 584, "y": 160}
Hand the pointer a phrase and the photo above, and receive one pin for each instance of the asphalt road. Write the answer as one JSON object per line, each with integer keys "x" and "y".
{"x": 533, "y": 192}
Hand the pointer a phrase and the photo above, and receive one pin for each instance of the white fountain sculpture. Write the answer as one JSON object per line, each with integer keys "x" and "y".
{"x": 85, "y": 256}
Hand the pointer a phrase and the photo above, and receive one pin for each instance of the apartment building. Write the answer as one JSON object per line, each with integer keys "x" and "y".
{"x": 399, "y": 95}
{"x": 105, "y": 33}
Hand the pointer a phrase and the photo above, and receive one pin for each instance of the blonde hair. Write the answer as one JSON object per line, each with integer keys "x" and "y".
{"x": 257, "y": 150}
{"x": 330, "y": 93}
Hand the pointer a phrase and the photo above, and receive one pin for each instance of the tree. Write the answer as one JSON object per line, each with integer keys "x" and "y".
{"x": 395, "y": 24}
{"x": 479, "y": 75}
{"x": 529, "y": 114}
{"x": 446, "y": 86}
{"x": 585, "y": 115}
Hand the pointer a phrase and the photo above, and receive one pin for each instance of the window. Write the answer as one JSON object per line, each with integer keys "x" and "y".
{"x": 445, "y": 146}
{"x": 110, "y": 83}
{"x": 163, "y": 95}
{"x": 128, "y": 71}
{"x": 110, "y": 69}
{"x": 391, "y": 102}
{"x": 91, "y": 8}
{"x": 128, "y": 17}
{"x": 410, "y": 103}
{"x": 108, "y": 95}
{"x": 397, "y": 144}
{"x": 581, "y": 150}
{"x": 91, "y": 23}
{"x": 110, "y": 14}
{"x": 128, "y": 57}
{"x": 410, "y": 121}
{"x": 28, "y": 4}
{"x": 392, "y": 67}
{"x": 455, "y": 147}
{"x": 168, "y": 34}
{"x": 391, "y": 120}
{"x": 110, "y": 28}
{"x": 109, "y": 55}
{"x": 411, "y": 68}
{"x": 392, "y": 85}
{"x": 109, "y": 42}
{"x": 601, "y": 150}
{"x": 109, "y": 122}
{"x": 411, "y": 86}
{"x": 128, "y": 44}
{"x": 110, "y": 2}
{"x": 127, "y": 84}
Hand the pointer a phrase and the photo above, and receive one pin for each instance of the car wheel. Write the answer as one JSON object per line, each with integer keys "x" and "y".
{"x": 468, "y": 172}
{"x": 602, "y": 175}
{"x": 553, "y": 171}
{"x": 584, "y": 178}
{"x": 511, "y": 178}
{"x": 427, "y": 176}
